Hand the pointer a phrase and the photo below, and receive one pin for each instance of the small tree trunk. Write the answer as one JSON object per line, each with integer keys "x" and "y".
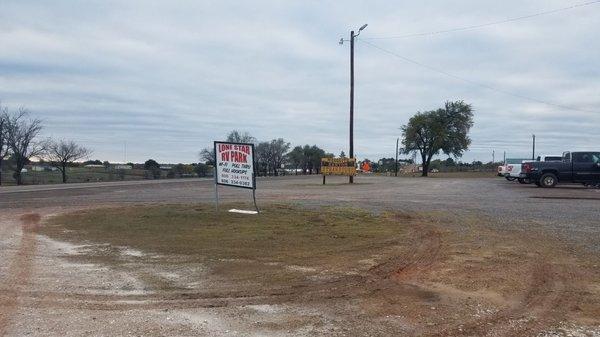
{"x": 425, "y": 163}
{"x": 425, "y": 170}
{"x": 64, "y": 173}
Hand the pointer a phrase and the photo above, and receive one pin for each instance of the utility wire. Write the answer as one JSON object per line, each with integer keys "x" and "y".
{"x": 564, "y": 107}
{"x": 483, "y": 25}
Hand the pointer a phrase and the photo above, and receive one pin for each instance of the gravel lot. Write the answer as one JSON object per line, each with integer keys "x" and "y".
{"x": 568, "y": 210}
{"x": 45, "y": 294}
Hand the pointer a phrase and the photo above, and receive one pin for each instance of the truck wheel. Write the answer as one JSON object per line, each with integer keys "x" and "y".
{"x": 524, "y": 181}
{"x": 510, "y": 178}
{"x": 548, "y": 180}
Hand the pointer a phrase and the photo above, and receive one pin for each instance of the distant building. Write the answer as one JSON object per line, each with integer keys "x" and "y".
{"x": 94, "y": 166}
{"x": 122, "y": 167}
{"x": 42, "y": 168}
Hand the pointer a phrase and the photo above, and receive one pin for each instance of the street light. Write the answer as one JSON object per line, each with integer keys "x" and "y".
{"x": 352, "y": 36}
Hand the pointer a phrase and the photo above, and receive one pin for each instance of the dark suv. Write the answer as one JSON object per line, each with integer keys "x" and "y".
{"x": 575, "y": 167}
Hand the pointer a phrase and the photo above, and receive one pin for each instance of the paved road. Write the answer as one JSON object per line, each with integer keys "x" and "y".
{"x": 570, "y": 211}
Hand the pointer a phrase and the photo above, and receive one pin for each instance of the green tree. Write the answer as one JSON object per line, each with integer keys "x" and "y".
{"x": 201, "y": 169}
{"x": 261, "y": 151}
{"x": 153, "y": 168}
{"x": 313, "y": 156}
{"x": 444, "y": 130}
{"x": 296, "y": 158}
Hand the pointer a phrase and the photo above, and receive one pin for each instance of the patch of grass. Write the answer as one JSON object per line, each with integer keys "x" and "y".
{"x": 270, "y": 245}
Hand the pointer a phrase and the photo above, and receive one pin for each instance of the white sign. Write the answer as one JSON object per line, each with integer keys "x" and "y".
{"x": 234, "y": 164}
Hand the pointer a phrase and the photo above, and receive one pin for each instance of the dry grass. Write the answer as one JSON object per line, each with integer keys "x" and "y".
{"x": 280, "y": 245}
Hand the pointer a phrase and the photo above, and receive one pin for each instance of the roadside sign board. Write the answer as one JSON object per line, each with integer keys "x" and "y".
{"x": 234, "y": 164}
{"x": 338, "y": 166}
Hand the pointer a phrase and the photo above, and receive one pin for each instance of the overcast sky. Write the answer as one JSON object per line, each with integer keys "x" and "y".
{"x": 169, "y": 77}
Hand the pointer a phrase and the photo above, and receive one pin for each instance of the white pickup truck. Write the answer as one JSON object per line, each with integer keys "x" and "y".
{"x": 514, "y": 167}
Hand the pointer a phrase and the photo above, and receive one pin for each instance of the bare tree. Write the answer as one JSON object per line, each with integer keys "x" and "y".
{"x": 207, "y": 156}
{"x": 61, "y": 153}
{"x": 236, "y": 136}
{"x": 21, "y": 137}
{"x": 278, "y": 148}
{"x": 3, "y": 137}
{"x": 270, "y": 155}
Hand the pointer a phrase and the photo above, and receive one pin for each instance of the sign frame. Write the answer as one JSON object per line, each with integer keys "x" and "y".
{"x": 253, "y": 187}
{"x": 217, "y": 183}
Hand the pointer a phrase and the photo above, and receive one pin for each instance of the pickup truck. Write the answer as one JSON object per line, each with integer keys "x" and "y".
{"x": 502, "y": 170}
{"x": 575, "y": 167}
{"x": 515, "y": 168}
{"x": 512, "y": 169}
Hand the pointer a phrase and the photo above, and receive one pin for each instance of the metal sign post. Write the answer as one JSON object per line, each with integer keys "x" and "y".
{"x": 235, "y": 167}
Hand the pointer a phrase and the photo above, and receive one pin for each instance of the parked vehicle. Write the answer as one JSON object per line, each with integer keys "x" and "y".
{"x": 575, "y": 167}
{"x": 513, "y": 169}
{"x": 550, "y": 158}
{"x": 502, "y": 170}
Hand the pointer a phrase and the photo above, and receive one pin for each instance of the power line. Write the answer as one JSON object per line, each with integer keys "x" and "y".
{"x": 532, "y": 99}
{"x": 483, "y": 25}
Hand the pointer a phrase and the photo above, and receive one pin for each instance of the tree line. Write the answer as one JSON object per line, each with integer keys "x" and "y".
{"x": 428, "y": 133}
{"x": 274, "y": 155}
{"x": 20, "y": 140}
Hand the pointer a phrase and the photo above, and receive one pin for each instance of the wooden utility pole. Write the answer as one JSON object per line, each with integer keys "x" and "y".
{"x": 396, "y": 166}
{"x": 533, "y": 154}
{"x": 351, "y": 99}
{"x": 352, "y": 37}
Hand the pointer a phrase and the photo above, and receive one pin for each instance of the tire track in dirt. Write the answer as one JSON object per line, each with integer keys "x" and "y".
{"x": 19, "y": 271}
{"x": 428, "y": 242}
{"x": 543, "y": 302}
{"x": 539, "y": 305}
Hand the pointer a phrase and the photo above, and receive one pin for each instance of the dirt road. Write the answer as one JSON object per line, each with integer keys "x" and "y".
{"x": 497, "y": 259}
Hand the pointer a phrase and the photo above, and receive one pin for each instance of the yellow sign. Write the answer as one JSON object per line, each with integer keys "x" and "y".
{"x": 338, "y": 166}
